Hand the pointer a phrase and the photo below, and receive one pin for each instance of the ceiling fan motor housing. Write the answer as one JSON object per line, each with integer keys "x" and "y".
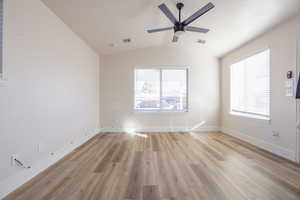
{"x": 179, "y": 27}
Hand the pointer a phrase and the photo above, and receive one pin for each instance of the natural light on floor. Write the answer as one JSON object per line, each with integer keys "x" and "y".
{"x": 133, "y": 133}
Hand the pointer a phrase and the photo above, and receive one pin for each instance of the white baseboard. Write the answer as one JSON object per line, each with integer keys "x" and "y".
{"x": 11, "y": 183}
{"x": 277, "y": 150}
{"x": 286, "y": 153}
{"x": 161, "y": 129}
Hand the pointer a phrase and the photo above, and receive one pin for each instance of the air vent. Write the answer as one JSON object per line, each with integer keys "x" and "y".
{"x": 127, "y": 40}
{"x": 201, "y": 41}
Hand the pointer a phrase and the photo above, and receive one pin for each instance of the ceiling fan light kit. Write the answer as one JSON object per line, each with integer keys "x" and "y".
{"x": 179, "y": 33}
{"x": 180, "y": 26}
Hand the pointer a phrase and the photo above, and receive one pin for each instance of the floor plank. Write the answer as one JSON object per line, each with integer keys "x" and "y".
{"x": 165, "y": 166}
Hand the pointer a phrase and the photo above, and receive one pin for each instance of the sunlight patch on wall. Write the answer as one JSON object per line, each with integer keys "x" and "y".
{"x": 197, "y": 126}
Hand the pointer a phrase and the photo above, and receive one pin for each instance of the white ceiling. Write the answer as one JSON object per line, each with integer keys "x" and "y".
{"x": 232, "y": 22}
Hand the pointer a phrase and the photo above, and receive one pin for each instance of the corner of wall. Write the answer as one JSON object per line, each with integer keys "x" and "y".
{"x": 275, "y": 149}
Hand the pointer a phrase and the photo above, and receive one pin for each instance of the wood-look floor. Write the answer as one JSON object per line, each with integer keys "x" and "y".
{"x": 166, "y": 166}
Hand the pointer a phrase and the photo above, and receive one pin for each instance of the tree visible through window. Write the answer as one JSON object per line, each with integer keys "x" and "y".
{"x": 250, "y": 85}
{"x": 161, "y": 90}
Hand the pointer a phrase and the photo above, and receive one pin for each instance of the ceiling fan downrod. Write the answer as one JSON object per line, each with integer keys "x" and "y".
{"x": 179, "y": 7}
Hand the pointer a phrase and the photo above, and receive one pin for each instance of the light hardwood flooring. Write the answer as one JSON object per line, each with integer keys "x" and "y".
{"x": 166, "y": 166}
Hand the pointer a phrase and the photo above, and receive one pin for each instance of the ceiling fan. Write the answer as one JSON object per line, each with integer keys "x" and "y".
{"x": 181, "y": 26}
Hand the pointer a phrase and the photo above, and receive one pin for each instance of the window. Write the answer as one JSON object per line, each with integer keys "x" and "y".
{"x": 161, "y": 90}
{"x": 250, "y": 86}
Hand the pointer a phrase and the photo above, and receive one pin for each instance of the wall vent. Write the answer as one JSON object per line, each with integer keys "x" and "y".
{"x": 127, "y": 40}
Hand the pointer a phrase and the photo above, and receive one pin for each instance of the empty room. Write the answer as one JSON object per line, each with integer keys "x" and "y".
{"x": 149, "y": 100}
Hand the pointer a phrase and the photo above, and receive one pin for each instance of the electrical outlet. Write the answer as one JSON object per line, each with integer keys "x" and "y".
{"x": 275, "y": 134}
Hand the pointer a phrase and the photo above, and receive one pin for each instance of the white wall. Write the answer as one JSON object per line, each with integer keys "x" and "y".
{"x": 117, "y": 89}
{"x": 51, "y": 93}
{"x": 282, "y": 42}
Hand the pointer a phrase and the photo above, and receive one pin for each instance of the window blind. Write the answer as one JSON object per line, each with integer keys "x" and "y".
{"x": 250, "y": 85}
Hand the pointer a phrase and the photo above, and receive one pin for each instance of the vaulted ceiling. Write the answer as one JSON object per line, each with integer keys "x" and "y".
{"x": 104, "y": 24}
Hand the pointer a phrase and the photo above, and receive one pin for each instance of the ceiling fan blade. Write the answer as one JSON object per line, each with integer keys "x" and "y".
{"x": 199, "y": 13}
{"x": 160, "y": 29}
{"x": 175, "y": 38}
{"x": 168, "y": 13}
{"x": 196, "y": 29}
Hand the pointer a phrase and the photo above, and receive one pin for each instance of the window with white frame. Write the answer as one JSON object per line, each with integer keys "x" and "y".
{"x": 250, "y": 86}
{"x": 161, "y": 90}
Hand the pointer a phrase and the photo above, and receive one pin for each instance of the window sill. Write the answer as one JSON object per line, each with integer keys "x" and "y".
{"x": 3, "y": 82}
{"x": 158, "y": 111}
{"x": 252, "y": 116}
